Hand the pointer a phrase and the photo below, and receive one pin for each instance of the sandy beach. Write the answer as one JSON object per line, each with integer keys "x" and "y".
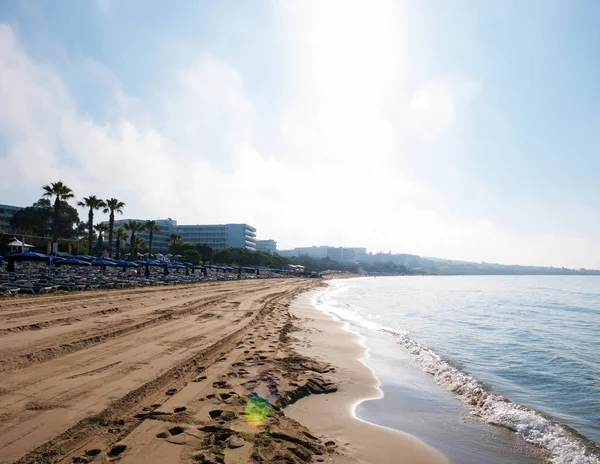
{"x": 215, "y": 373}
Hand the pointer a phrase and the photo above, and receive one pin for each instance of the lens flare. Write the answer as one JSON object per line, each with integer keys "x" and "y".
{"x": 257, "y": 410}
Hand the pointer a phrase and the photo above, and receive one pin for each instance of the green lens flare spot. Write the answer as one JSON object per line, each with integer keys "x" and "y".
{"x": 257, "y": 410}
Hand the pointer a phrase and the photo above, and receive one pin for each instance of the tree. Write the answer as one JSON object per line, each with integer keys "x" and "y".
{"x": 139, "y": 243}
{"x": 93, "y": 203}
{"x": 101, "y": 228}
{"x": 61, "y": 193}
{"x": 174, "y": 240}
{"x": 151, "y": 227}
{"x": 133, "y": 227}
{"x": 120, "y": 237}
{"x": 191, "y": 256}
{"x": 222, "y": 256}
{"x": 33, "y": 220}
{"x": 37, "y": 219}
{"x": 205, "y": 251}
{"x": 112, "y": 206}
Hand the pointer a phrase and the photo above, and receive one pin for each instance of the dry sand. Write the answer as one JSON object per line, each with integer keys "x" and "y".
{"x": 190, "y": 374}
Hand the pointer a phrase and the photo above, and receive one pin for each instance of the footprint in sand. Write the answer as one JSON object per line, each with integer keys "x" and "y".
{"x": 221, "y": 384}
{"x": 177, "y": 430}
{"x": 171, "y": 392}
{"x": 215, "y": 413}
{"x": 117, "y": 449}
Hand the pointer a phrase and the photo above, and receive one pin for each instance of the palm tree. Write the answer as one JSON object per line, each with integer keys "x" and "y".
{"x": 93, "y": 203}
{"x": 151, "y": 227}
{"x": 133, "y": 227}
{"x": 174, "y": 239}
{"x": 101, "y": 228}
{"x": 120, "y": 237}
{"x": 61, "y": 193}
{"x": 139, "y": 243}
{"x": 112, "y": 206}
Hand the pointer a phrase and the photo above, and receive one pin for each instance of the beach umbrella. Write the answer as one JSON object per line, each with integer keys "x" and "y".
{"x": 72, "y": 262}
{"x": 103, "y": 263}
{"x": 84, "y": 257}
{"x": 126, "y": 263}
{"x": 29, "y": 256}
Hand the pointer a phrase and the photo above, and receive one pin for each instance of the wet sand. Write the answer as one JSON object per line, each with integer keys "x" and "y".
{"x": 323, "y": 338}
{"x": 195, "y": 373}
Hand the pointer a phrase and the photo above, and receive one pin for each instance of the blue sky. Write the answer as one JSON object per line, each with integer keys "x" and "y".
{"x": 457, "y": 129}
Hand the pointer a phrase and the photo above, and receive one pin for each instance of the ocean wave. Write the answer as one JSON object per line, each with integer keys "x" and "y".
{"x": 564, "y": 444}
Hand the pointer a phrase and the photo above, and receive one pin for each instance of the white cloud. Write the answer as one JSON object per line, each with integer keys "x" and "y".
{"x": 207, "y": 114}
{"x": 48, "y": 139}
{"x": 437, "y": 106}
{"x": 339, "y": 173}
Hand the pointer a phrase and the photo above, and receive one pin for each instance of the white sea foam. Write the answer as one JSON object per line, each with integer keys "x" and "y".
{"x": 565, "y": 446}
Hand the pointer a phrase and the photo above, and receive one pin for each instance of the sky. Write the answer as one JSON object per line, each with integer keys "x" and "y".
{"x": 457, "y": 129}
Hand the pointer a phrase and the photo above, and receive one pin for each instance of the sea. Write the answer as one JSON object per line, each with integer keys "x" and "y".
{"x": 487, "y": 369}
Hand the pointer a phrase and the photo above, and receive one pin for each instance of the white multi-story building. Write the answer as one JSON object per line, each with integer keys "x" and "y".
{"x": 217, "y": 236}
{"x": 6, "y": 214}
{"x": 268, "y": 246}
{"x": 160, "y": 238}
{"x": 220, "y": 236}
{"x": 339, "y": 254}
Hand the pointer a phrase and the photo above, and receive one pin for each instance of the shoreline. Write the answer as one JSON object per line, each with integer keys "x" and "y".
{"x": 326, "y": 339}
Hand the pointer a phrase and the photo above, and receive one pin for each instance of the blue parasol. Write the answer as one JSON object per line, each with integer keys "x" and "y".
{"x": 72, "y": 262}
{"x": 29, "y": 256}
{"x": 103, "y": 262}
